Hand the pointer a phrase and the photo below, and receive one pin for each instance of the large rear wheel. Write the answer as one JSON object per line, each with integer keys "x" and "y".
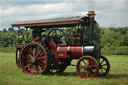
{"x": 34, "y": 59}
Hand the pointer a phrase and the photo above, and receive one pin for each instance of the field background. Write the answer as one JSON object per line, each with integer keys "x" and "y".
{"x": 10, "y": 74}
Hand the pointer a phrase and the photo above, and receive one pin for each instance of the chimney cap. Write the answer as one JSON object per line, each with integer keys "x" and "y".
{"x": 91, "y": 11}
{"x": 91, "y": 14}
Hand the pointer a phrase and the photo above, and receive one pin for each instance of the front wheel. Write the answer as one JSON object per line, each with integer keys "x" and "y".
{"x": 104, "y": 66}
{"x": 87, "y": 67}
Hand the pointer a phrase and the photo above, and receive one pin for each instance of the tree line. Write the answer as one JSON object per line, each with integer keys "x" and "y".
{"x": 115, "y": 37}
{"x": 106, "y": 37}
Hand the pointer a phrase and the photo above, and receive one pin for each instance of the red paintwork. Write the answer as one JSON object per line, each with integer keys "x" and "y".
{"x": 46, "y": 24}
{"x": 76, "y": 51}
{"x": 19, "y": 46}
{"x": 61, "y": 54}
{"x": 52, "y": 45}
{"x": 35, "y": 39}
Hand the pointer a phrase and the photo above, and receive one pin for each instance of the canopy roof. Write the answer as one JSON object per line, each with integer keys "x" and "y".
{"x": 53, "y": 22}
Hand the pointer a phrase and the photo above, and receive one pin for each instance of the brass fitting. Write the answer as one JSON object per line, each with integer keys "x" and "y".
{"x": 91, "y": 14}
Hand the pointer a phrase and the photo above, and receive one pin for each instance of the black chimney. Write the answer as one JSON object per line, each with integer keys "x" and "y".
{"x": 91, "y": 16}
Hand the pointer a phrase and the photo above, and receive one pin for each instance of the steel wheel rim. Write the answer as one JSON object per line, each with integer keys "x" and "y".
{"x": 83, "y": 70}
{"x": 34, "y": 59}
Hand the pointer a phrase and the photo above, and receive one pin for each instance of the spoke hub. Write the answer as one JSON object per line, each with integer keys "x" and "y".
{"x": 87, "y": 67}
{"x": 33, "y": 59}
{"x": 100, "y": 66}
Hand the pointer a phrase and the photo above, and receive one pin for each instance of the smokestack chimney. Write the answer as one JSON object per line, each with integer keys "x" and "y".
{"x": 91, "y": 16}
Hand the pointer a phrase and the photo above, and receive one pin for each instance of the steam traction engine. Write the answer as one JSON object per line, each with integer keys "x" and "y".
{"x": 52, "y": 50}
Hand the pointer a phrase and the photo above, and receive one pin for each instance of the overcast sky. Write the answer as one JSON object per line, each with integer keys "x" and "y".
{"x": 108, "y": 12}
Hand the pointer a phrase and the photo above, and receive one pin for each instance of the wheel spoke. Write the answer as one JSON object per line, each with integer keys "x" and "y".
{"x": 28, "y": 65}
{"x": 104, "y": 68}
{"x": 38, "y": 68}
{"x": 42, "y": 53}
{"x": 28, "y": 61}
{"x": 27, "y": 58}
{"x": 92, "y": 66}
{"x": 30, "y": 56}
{"x": 34, "y": 52}
{"x": 84, "y": 62}
{"x": 102, "y": 61}
{"x": 34, "y": 67}
{"x": 104, "y": 65}
{"x": 38, "y": 53}
{"x": 41, "y": 64}
{"x": 44, "y": 61}
{"x": 40, "y": 58}
{"x": 101, "y": 70}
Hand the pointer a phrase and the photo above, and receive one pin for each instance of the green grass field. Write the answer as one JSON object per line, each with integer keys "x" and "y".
{"x": 10, "y": 74}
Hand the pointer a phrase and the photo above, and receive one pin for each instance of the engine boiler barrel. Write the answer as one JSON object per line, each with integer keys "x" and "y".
{"x": 76, "y": 51}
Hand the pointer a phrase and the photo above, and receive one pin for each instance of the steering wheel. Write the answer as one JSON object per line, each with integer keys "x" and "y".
{"x": 58, "y": 36}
